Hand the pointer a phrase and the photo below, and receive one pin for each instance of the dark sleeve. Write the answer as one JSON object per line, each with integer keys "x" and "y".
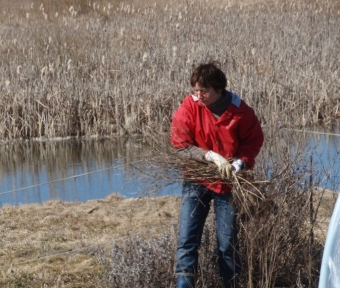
{"x": 192, "y": 152}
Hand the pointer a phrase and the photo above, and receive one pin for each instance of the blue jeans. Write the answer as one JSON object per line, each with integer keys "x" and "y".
{"x": 195, "y": 207}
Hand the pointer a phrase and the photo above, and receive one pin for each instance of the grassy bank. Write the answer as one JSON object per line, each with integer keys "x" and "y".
{"x": 109, "y": 242}
{"x": 76, "y": 69}
{"x": 57, "y": 243}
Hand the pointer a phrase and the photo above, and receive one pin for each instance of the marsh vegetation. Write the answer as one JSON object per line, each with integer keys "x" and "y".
{"x": 83, "y": 69}
{"x": 101, "y": 69}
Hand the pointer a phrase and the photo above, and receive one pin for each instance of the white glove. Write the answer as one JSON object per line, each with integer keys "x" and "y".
{"x": 223, "y": 164}
{"x": 238, "y": 165}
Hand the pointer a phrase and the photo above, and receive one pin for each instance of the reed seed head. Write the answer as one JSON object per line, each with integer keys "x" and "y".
{"x": 145, "y": 57}
{"x": 19, "y": 69}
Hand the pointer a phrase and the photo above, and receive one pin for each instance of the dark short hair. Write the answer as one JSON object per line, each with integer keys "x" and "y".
{"x": 209, "y": 75}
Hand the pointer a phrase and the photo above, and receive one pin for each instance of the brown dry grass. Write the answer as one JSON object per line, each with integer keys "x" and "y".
{"x": 54, "y": 242}
{"x": 74, "y": 69}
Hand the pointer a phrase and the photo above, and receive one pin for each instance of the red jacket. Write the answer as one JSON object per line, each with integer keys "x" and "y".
{"x": 237, "y": 133}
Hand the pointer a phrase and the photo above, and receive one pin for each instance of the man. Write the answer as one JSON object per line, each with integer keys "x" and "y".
{"x": 212, "y": 125}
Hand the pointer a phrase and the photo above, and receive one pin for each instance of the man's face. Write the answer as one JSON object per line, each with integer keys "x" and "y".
{"x": 207, "y": 95}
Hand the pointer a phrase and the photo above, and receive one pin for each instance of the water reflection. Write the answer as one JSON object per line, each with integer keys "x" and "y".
{"x": 320, "y": 154}
{"x": 33, "y": 172}
{"x": 325, "y": 147}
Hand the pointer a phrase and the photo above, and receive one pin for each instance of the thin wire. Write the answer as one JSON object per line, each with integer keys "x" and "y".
{"x": 63, "y": 179}
{"x": 84, "y": 248}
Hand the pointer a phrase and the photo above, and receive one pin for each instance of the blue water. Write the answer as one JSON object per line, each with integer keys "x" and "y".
{"x": 325, "y": 150}
{"x": 25, "y": 188}
{"x": 92, "y": 170}
{"x": 81, "y": 171}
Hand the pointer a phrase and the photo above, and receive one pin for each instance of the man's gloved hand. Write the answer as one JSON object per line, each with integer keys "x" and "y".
{"x": 224, "y": 167}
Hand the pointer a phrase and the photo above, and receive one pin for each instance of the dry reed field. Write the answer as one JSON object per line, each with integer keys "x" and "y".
{"x": 100, "y": 69}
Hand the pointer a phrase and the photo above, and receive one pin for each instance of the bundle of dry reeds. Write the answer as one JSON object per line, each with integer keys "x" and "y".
{"x": 245, "y": 187}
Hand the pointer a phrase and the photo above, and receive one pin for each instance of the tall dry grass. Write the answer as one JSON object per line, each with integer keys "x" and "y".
{"x": 108, "y": 70}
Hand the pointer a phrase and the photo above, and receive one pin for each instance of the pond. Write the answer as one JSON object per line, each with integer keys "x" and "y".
{"x": 74, "y": 170}
{"x": 34, "y": 172}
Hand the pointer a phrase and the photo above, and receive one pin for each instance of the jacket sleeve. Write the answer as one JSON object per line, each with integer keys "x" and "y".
{"x": 181, "y": 134}
{"x": 251, "y": 138}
